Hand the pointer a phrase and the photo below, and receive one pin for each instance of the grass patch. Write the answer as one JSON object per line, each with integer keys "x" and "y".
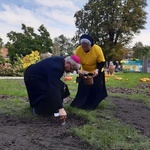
{"x": 15, "y": 107}
{"x": 102, "y": 129}
{"x": 106, "y": 132}
{"x": 129, "y": 80}
{"x": 13, "y": 87}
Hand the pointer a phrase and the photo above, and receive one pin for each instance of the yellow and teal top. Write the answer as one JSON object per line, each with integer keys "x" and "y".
{"x": 90, "y": 59}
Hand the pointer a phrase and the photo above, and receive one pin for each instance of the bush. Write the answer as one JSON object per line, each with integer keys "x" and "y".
{"x": 18, "y": 67}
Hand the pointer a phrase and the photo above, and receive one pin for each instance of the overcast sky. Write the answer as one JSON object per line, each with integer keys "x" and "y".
{"x": 55, "y": 15}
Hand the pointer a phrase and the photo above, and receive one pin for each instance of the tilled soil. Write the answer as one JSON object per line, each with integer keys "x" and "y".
{"x": 46, "y": 133}
{"x": 134, "y": 113}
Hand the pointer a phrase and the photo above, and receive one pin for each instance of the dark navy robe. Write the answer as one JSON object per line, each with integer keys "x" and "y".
{"x": 89, "y": 96}
{"x": 43, "y": 82}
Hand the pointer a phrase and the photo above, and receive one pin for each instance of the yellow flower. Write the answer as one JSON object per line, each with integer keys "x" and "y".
{"x": 30, "y": 59}
{"x": 36, "y": 53}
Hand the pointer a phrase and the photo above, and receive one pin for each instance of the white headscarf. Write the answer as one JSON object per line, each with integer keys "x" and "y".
{"x": 84, "y": 40}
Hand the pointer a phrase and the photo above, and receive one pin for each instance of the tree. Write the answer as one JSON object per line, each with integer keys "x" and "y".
{"x": 1, "y": 43}
{"x": 112, "y": 23}
{"x": 141, "y": 51}
{"x": 2, "y": 60}
{"x": 56, "y": 48}
{"x": 64, "y": 45}
{"x": 24, "y": 43}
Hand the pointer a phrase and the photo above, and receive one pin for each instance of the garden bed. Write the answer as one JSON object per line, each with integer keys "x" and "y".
{"x": 46, "y": 133}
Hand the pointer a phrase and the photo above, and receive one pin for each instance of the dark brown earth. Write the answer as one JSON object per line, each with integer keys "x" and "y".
{"x": 45, "y": 133}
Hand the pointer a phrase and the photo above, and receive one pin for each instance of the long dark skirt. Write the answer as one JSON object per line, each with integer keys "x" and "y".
{"x": 89, "y": 96}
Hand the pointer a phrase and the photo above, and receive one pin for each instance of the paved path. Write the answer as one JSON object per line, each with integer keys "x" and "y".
{"x": 11, "y": 77}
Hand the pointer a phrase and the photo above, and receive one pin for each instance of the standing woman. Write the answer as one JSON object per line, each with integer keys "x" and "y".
{"x": 92, "y": 61}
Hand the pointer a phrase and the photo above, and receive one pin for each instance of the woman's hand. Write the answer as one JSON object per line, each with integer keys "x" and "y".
{"x": 80, "y": 72}
{"x": 95, "y": 73}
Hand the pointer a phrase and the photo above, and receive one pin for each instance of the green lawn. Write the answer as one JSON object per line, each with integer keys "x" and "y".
{"x": 102, "y": 130}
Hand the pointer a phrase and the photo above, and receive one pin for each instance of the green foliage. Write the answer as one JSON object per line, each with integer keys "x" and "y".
{"x": 19, "y": 65}
{"x": 24, "y": 43}
{"x": 1, "y": 43}
{"x": 113, "y": 52}
{"x": 111, "y": 22}
{"x": 2, "y": 60}
{"x": 141, "y": 51}
{"x": 64, "y": 45}
{"x": 8, "y": 69}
